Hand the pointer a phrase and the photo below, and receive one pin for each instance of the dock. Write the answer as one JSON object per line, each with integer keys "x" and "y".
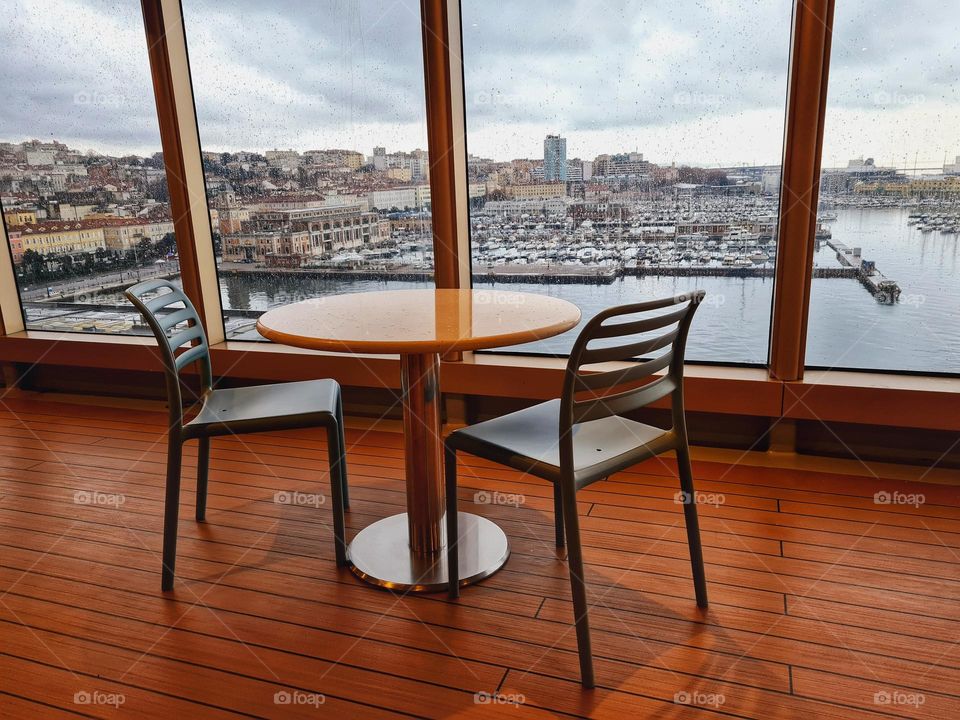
{"x": 547, "y": 273}
{"x": 851, "y": 267}
{"x": 882, "y": 288}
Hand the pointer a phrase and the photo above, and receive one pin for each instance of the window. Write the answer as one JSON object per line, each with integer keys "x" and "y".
{"x": 82, "y": 182}
{"x": 628, "y": 154}
{"x": 313, "y": 130}
{"x": 890, "y": 193}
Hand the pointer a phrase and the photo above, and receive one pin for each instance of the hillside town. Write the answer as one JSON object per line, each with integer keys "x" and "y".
{"x": 82, "y": 223}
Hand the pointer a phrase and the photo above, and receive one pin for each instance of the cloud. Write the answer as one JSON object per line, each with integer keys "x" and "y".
{"x": 696, "y": 81}
{"x": 77, "y": 71}
{"x": 275, "y": 75}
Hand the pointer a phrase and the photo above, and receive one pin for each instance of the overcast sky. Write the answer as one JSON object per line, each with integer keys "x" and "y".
{"x": 679, "y": 80}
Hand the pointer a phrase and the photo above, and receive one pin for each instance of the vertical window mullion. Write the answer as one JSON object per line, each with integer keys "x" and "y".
{"x": 181, "y": 151}
{"x": 443, "y": 75}
{"x": 11, "y": 314}
{"x": 806, "y": 108}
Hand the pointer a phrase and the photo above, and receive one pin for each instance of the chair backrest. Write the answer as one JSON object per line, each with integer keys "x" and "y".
{"x": 179, "y": 332}
{"x": 652, "y": 334}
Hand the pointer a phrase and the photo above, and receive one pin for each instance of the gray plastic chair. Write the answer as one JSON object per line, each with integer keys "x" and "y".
{"x": 583, "y": 437}
{"x": 234, "y": 411}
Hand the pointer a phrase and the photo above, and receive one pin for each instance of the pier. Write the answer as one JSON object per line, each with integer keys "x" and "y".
{"x": 884, "y": 289}
{"x": 553, "y": 274}
{"x": 852, "y": 267}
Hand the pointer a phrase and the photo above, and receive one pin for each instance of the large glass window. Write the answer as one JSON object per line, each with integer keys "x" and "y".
{"x": 886, "y": 290}
{"x": 82, "y": 182}
{"x": 313, "y": 130}
{"x": 628, "y": 152}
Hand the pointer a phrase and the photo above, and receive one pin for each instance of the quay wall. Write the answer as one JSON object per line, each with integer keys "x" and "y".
{"x": 516, "y": 274}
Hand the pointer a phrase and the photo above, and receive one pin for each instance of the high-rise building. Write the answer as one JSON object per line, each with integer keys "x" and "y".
{"x": 379, "y": 158}
{"x": 554, "y": 159}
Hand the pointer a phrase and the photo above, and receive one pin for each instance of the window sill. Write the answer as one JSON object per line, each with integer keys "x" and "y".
{"x": 837, "y": 396}
{"x": 874, "y": 399}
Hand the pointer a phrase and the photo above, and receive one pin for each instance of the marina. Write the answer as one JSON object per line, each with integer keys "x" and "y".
{"x": 735, "y": 324}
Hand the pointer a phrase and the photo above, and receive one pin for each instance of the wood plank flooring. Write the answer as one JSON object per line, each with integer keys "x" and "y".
{"x": 824, "y": 603}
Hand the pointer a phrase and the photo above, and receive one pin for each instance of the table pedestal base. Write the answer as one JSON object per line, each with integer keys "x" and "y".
{"x": 380, "y": 554}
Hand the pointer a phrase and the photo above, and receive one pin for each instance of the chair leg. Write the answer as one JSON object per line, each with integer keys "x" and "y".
{"x": 558, "y": 513}
{"x": 453, "y": 532}
{"x": 577, "y": 582}
{"x": 203, "y": 468}
{"x": 338, "y": 475}
{"x": 342, "y": 445}
{"x": 692, "y": 523}
{"x": 171, "y": 512}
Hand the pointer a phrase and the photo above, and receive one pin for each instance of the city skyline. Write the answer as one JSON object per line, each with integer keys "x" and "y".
{"x": 680, "y": 84}
{"x": 950, "y": 160}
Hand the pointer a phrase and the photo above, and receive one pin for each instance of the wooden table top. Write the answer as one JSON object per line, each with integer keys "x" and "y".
{"x": 418, "y": 321}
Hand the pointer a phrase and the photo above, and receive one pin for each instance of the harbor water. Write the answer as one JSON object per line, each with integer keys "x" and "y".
{"x": 848, "y": 327}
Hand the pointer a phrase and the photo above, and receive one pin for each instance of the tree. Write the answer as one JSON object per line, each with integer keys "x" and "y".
{"x": 34, "y": 265}
{"x": 167, "y": 245}
{"x": 145, "y": 250}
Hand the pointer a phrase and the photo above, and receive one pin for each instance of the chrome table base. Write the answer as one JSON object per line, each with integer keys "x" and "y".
{"x": 380, "y": 554}
{"x": 407, "y": 552}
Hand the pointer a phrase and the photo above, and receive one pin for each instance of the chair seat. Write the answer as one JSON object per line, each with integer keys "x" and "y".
{"x": 528, "y": 440}
{"x": 266, "y": 407}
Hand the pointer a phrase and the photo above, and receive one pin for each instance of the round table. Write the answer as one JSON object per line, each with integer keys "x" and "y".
{"x": 406, "y": 551}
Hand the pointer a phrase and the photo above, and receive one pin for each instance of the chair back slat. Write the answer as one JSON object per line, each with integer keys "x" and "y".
{"x": 171, "y": 320}
{"x": 197, "y": 352}
{"x": 654, "y": 338}
{"x": 149, "y": 286}
{"x": 624, "y": 402}
{"x": 640, "y": 326}
{"x": 631, "y": 350}
{"x": 189, "y": 334}
{"x": 163, "y": 300}
{"x": 591, "y": 382}
{"x": 165, "y": 308}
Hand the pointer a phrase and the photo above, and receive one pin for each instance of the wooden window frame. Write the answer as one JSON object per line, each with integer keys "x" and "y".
{"x": 800, "y": 186}
{"x": 180, "y": 140}
{"x": 11, "y": 312}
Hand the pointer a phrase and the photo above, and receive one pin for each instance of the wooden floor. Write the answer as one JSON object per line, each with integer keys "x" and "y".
{"x": 824, "y": 603}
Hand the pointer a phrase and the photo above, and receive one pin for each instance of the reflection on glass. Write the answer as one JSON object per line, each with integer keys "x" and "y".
{"x": 890, "y": 193}
{"x": 312, "y": 125}
{"x": 631, "y": 152}
{"x": 82, "y": 181}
